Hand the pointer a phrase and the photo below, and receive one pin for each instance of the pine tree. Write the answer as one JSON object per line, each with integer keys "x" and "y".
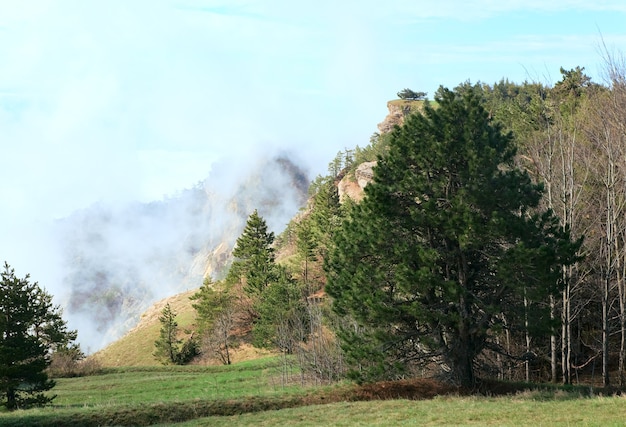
{"x": 281, "y": 314}
{"x": 254, "y": 256}
{"x": 31, "y": 328}
{"x": 215, "y": 317}
{"x": 167, "y": 346}
{"x": 446, "y": 244}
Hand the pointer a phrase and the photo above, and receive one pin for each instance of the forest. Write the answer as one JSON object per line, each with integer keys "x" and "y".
{"x": 531, "y": 239}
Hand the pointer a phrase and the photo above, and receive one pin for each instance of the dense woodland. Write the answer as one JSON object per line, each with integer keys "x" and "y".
{"x": 564, "y": 320}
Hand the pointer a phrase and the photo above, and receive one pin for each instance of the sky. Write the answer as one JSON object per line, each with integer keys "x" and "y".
{"x": 121, "y": 100}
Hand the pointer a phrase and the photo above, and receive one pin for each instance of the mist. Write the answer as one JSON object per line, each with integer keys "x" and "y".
{"x": 115, "y": 260}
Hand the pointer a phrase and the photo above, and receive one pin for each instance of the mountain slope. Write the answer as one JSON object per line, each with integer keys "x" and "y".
{"x": 136, "y": 347}
{"x": 121, "y": 259}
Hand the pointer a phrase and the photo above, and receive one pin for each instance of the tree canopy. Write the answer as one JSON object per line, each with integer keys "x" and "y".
{"x": 447, "y": 247}
{"x": 31, "y": 328}
{"x": 410, "y": 94}
{"x": 254, "y": 256}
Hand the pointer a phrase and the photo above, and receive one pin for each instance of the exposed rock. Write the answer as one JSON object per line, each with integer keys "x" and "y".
{"x": 364, "y": 173}
{"x": 353, "y": 186}
{"x": 398, "y": 110}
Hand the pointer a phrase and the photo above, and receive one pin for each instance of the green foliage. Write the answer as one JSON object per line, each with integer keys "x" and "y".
{"x": 444, "y": 246}
{"x": 410, "y": 94}
{"x": 323, "y": 222}
{"x": 214, "y": 307}
{"x": 31, "y": 327}
{"x": 168, "y": 342}
{"x": 169, "y": 348}
{"x": 254, "y": 256}
{"x": 377, "y": 147}
{"x": 188, "y": 351}
{"x": 281, "y": 312}
{"x": 343, "y": 160}
{"x": 210, "y": 301}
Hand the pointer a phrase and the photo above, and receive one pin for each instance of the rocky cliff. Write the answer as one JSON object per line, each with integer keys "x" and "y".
{"x": 398, "y": 110}
{"x": 352, "y": 186}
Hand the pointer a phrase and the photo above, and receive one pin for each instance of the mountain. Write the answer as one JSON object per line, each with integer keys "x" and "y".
{"x": 118, "y": 260}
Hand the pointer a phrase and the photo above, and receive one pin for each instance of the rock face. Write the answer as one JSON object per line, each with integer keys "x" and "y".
{"x": 398, "y": 110}
{"x": 353, "y": 187}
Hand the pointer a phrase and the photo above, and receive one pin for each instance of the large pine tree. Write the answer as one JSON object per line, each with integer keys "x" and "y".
{"x": 445, "y": 248}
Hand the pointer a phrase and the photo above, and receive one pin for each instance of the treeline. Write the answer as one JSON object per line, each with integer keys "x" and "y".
{"x": 545, "y": 301}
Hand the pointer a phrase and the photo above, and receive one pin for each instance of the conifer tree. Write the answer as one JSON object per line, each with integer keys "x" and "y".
{"x": 281, "y": 314}
{"x": 447, "y": 243}
{"x": 215, "y": 317}
{"x": 167, "y": 346}
{"x": 31, "y": 329}
{"x": 254, "y": 256}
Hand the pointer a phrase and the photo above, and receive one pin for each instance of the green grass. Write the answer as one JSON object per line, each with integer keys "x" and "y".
{"x": 140, "y": 396}
{"x": 136, "y": 348}
{"x": 457, "y": 411}
{"x": 251, "y": 394}
{"x": 137, "y": 385}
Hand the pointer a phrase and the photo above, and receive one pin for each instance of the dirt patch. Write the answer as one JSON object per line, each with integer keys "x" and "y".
{"x": 414, "y": 389}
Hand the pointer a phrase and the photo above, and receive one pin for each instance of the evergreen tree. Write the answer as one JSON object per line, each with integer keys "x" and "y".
{"x": 167, "y": 346}
{"x": 445, "y": 248}
{"x": 31, "y": 328}
{"x": 254, "y": 256}
{"x": 215, "y": 317}
{"x": 281, "y": 314}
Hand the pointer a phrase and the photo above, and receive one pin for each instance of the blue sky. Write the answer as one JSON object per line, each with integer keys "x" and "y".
{"x": 118, "y": 100}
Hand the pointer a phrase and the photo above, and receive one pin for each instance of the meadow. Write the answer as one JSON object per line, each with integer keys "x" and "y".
{"x": 260, "y": 393}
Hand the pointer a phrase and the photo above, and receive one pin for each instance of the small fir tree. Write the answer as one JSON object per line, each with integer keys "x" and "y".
{"x": 167, "y": 346}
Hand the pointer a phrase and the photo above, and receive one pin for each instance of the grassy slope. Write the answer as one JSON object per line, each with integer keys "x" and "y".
{"x": 137, "y": 346}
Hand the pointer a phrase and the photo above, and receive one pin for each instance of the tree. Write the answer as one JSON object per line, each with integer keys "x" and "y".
{"x": 412, "y": 95}
{"x": 254, "y": 256}
{"x": 167, "y": 346}
{"x": 215, "y": 317}
{"x": 31, "y": 329}
{"x": 446, "y": 249}
{"x": 282, "y": 314}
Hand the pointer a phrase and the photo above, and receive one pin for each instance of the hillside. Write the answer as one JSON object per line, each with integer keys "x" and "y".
{"x": 118, "y": 260}
{"x": 135, "y": 348}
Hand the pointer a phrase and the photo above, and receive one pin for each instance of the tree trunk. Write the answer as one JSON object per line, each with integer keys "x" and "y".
{"x": 11, "y": 399}
{"x": 553, "y": 352}
{"x": 566, "y": 339}
{"x": 605, "y": 333}
{"x": 463, "y": 365}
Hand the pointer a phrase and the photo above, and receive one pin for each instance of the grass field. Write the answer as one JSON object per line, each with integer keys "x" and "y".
{"x": 454, "y": 411}
{"x": 254, "y": 393}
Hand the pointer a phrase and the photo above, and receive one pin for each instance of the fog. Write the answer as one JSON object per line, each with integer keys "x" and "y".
{"x": 116, "y": 260}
